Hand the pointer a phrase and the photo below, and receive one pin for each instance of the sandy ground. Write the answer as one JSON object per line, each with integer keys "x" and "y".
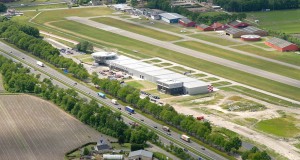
{"x": 282, "y": 147}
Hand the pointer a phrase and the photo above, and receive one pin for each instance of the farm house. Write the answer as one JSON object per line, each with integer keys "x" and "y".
{"x": 186, "y": 22}
{"x": 281, "y": 45}
{"x": 204, "y": 27}
{"x": 170, "y": 17}
{"x": 167, "y": 81}
{"x": 218, "y": 26}
{"x": 238, "y": 24}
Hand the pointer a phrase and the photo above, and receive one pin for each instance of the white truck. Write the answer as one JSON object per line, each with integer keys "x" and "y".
{"x": 185, "y": 138}
{"x": 40, "y": 63}
{"x": 114, "y": 101}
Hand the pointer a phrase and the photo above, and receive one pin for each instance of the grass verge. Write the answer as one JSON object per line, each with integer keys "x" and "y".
{"x": 137, "y": 29}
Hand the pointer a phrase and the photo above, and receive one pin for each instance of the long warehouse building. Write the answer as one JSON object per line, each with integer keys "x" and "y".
{"x": 167, "y": 81}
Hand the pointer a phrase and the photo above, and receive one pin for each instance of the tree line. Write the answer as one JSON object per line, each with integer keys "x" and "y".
{"x": 199, "y": 129}
{"x": 256, "y": 5}
{"x": 199, "y": 18}
{"x": 16, "y": 78}
{"x": 28, "y": 38}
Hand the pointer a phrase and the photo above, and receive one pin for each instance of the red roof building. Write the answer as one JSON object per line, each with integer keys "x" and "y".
{"x": 238, "y": 24}
{"x": 281, "y": 45}
{"x": 204, "y": 27}
{"x": 186, "y": 22}
{"x": 218, "y": 26}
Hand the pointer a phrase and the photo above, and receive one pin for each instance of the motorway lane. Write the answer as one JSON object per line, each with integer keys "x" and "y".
{"x": 85, "y": 89}
{"x": 190, "y": 52}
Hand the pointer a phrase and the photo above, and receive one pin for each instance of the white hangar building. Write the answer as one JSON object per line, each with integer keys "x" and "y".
{"x": 167, "y": 81}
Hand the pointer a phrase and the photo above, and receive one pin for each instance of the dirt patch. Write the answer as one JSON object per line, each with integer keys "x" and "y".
{"x": 32, "y": 128}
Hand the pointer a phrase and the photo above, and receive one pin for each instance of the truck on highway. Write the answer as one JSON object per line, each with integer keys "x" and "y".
{"x": 100, "y": 94}
{"x": 129, "y": 109}
{"x": 166, "y": 128}
{"x": 185, "y": 138}
{"x": 41, "y": 64}
{"x": 114, "y": 101}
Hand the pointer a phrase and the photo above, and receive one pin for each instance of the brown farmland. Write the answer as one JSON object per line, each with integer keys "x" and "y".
{"x": 32, "y": 128}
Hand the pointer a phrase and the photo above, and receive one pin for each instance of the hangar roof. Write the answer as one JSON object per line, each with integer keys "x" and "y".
{"x": 279, "y": 42}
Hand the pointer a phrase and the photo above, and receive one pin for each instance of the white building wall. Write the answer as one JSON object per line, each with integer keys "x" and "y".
{"x": 195, "y": 90}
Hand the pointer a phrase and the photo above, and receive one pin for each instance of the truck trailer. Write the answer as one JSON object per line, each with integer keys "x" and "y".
{"x": 166, "y": 128}
{"x": 129, "y": 109}
{"x": 39, "y": 63}
{"x": 114, "y": 101}
{"x": 185, "y": 138}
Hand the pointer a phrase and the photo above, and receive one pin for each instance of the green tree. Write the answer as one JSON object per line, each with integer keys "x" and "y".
{"x": 3, "y": 7}
{"x": 134, "y": 3}
{"x": 86, "y": 151}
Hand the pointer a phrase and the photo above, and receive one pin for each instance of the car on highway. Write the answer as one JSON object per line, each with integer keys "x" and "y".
{"x": 169, "y": 133}
{"x": 185, "y": 149}
{"x": 203, "y": 148}
{"x": 142, "y": 120}
{"x": 23, "y": 58}
{"x": 155, "y": 126}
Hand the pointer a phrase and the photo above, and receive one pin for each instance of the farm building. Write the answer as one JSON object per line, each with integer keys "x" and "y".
{"x": 186, "y": 22}
{"x": 255, "y": 31}
{"x": 204, "y": 27}
{"x": 121, "y": 7}
{"x": 140, "y": 154}
{"x": 238, "y": 24}
{"x": 102, "y": 146}
{"x": 167, "y": 81}
{"x": 218, "y": 26}
{"x": 171, "y": 17}
{"x": 281, "y": 45}
{"x": 248, "y": 37}
{"x": 235, "y": 32}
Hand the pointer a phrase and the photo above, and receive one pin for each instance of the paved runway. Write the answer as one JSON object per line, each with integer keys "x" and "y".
{"x": 197, "y": 54}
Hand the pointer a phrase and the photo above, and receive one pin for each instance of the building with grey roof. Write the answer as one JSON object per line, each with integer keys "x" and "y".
{"x": 255, "y": 31}
{"x": 102, "y": 146}
{"x": 171, "y": 17}
{"x": 281, "y": 45}
{"x": 140, "y": 155}
{"x": 162, "y": 77}
{"x": 235, "y": 32}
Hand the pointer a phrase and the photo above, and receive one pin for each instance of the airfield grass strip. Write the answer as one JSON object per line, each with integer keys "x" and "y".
{"x": 243, "y": 59}
{"x": 103, "y": 38}
{"x": 137, "y": 29}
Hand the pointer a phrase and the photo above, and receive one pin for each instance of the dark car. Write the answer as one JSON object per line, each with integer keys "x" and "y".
{"x": 155, "y": 126}
{"x": 142, "y": 120}
{"x": 185, "y": 149}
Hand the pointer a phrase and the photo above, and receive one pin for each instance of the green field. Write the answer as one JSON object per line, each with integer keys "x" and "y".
{"x": 285, "y": 20}
{"x": 168, "y": 27}
{"x": 243, "y": 59}
{"x": 137, "y": 29}
{"x": 123, "y": 43}
{"x": 141, "y": 84}
{"x": 282, "y": 127}
{"x": 288, "y": 57}
{"x": 60, "y": 5}
{"x": 57, "y": 15}
{"x": 222, "y": 83}
{"x": 213, "y": 39}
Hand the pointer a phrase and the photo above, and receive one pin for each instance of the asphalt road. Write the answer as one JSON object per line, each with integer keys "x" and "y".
{"x": 190, "y": 52}
{"x": 84, "y": 89}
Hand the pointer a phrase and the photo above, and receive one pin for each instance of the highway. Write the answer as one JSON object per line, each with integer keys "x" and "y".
{"x": 84, "y": 90}
{"x": 190, "y": 52}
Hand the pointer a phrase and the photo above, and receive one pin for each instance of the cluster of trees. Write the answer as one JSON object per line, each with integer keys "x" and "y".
{"x": 256, "y": 5}
{"x": 28, "y": 38}
{"x": 3, "y": 7}
{"x": 16, "y": 78}
{"x": 188, "y": 124}
{"x": 195, "y": 16}
{"x": 85, "y": 46}
{"x": 255, "y": 154}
